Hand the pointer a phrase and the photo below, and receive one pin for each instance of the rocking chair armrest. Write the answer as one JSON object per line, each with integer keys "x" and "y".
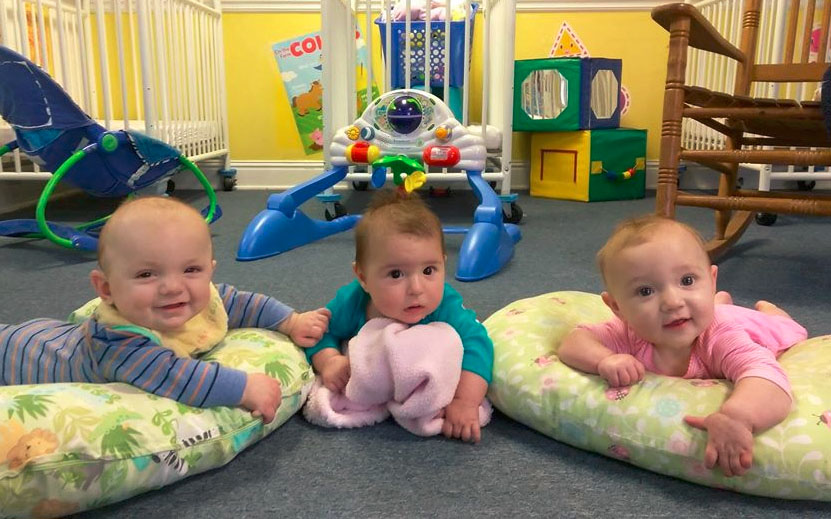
{"x": 702, "y": 33}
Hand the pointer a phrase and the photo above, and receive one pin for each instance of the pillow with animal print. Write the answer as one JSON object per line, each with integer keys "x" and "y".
{"x": 65, "y": 448}
{"x": 643, "y": 424}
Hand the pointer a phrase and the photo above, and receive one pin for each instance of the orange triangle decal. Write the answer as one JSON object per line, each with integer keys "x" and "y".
{"x": 567, "y": 43}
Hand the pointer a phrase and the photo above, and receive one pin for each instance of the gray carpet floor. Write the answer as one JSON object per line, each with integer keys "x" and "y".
{"x": 382, "y": 471}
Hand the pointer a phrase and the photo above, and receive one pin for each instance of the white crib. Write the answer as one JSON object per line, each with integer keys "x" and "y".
{"x": 157, "y": 69}
{"x": 338, "y": 22}
{"x": 717, "y": 72}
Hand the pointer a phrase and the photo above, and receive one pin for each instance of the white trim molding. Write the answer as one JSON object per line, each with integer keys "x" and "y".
{"x": 277, "y": 175}
{"x": 313, "y": 6}
{"x": 281, "y": 174}
{"x": 274, "y": 174}
{"x": 538, "y": 6}
{"x": 271, "y": 6}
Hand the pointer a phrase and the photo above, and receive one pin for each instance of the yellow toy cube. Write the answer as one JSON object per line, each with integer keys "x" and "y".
{"x": 589, "y": 165}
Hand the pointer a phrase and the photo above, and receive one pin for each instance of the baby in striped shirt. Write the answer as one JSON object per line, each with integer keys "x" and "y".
{"x": 158, "y": 310}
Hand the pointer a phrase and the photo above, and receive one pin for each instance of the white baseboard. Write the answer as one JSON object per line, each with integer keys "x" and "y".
{"x": 695, "y": 176}
{"x": 279, "y": 175}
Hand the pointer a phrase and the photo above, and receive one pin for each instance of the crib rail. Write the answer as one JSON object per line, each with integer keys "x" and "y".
{"x": 154, "y": 66}
{"x": 790, "y": 32}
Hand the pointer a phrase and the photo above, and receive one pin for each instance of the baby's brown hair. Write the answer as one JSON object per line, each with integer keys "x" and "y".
{"x": 398, "y": 211}
{"x": 635, "y": 231}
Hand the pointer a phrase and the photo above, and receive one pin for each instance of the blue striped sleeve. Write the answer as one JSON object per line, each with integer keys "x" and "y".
{"x": 252, "y": 310}
{"x": 23, "y": 347}
{"x": 135, "y": 360}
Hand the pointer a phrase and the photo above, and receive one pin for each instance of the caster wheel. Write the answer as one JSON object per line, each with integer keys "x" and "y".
{"x": 340, "y": 210}
{"x": 360, "y": 185}
{"x": 515, "y": 216}
{"x": 766, "y": 219}
{"x": 170, "y": 188}
{"x": 806, "y": 185}
{"x": 228, "y": 183}
{"x": 439, "y": 192}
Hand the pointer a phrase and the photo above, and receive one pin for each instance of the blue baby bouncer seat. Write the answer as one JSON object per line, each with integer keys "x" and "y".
{"x": 58, "y": 136}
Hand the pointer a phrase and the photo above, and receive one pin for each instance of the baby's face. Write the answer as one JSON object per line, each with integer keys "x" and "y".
{"x": 159, "y": 276}
{"x": 663, "y": 288}
{"x": 404, "y": 275}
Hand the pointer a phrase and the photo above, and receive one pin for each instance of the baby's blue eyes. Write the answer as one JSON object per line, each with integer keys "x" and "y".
{"x": 686, "y": 281}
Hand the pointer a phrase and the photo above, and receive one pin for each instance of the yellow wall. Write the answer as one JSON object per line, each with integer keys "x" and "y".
{"x": 260, "y": 118}
{"x": 629, "y": 35}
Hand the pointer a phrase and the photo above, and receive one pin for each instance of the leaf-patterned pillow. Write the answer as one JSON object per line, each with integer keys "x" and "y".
{"x": 70, "y": 447}
{"x": 643, "y": 424}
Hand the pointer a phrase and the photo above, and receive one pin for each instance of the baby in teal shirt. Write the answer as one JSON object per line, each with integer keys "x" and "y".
{"x": 400, "y": 274}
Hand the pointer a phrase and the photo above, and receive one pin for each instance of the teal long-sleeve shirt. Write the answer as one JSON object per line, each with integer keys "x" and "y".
{"x": 348, "y": 309}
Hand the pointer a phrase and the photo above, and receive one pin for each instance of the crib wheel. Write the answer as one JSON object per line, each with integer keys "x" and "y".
{"x": 515, "y": 216}
{"x": 340, "y": 210}
{"x": 170, "y": 188}
{"x": 228, "y": 183}
{"x": 360, "y": 185}
{"x": 439, "y": 192}
{"x": 766, "y": 219}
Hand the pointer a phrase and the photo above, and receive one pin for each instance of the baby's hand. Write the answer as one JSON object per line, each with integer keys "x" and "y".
{"x": 262, "y": 396}
{"x": 461, "y": 420}
{"x": 307, "y": 328}
{"x": 729, "y": 442}
{"x": 335, "y": 373}
{"x": 620, "y": 369}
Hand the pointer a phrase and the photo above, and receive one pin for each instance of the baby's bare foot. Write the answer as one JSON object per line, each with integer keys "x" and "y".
{"x": 723, "y": 298}
{"x": 766, "y": 307}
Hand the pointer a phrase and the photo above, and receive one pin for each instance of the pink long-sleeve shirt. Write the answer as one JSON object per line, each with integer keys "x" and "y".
{"x": 739, "y": 343}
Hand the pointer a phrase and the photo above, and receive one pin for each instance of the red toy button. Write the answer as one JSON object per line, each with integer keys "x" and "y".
{"x": 362, "y": 152}
{"x": 441, "y": 156}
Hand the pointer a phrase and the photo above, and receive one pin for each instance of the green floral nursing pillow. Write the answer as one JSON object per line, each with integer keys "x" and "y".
{"x": 643, "y": 424}
{"x": 70, "y": 447}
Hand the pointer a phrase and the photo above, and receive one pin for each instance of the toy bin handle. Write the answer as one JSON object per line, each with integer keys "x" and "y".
{"x": 619, "y": 176}
{"x": 615, "y": 176}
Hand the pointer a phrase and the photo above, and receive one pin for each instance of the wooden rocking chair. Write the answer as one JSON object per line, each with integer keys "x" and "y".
{"x": 756, "y": 131}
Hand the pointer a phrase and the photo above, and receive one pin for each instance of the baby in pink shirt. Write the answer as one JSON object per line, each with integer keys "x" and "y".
{"x": 670, "y": 320}
{"x": 728, "y": 348}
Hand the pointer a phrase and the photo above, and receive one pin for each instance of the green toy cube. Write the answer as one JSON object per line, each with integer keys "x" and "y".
{"x": 566, "y": 94}
{"x": 589, "y": 165}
